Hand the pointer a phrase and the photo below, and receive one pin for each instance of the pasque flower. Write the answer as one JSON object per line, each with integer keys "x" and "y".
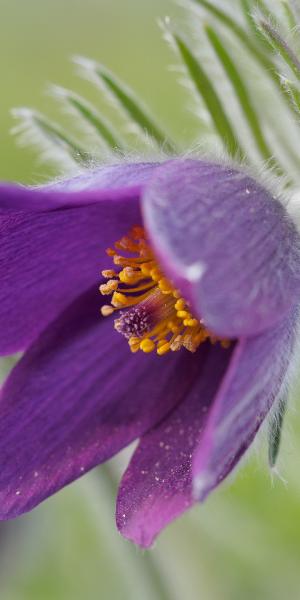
{"x": 203, "y": 267}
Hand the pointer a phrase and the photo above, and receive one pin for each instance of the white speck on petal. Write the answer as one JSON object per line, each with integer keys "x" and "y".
{"x": 195, "y": 271}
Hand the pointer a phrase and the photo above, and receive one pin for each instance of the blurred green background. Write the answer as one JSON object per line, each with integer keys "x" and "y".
{"x": 244, "y": 543}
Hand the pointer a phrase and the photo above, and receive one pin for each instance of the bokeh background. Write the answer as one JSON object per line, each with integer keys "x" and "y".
{"x": 244, "y": 543}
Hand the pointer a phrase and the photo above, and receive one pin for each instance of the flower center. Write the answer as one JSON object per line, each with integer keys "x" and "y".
{"x": 153, "y": 314}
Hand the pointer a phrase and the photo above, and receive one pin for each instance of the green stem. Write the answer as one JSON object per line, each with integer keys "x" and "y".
{"x": 145, "y": 562}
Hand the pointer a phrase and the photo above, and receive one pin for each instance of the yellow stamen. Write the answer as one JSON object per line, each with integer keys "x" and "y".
{"x": 180, "y": 304}
{"x": 154, "y": 315}
{"x": 163, "y": 349}
{"x": 109, "y": 274}
{"x": 147, "y": 345}
{"x": 107, "y": 310}
{"x": 108, "y": 288}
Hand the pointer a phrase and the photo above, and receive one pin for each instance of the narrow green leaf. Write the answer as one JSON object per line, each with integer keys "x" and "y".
{"x": 51, "y": 133}
{"x": 247, "y": 8}
{"x": 245, "y": 39}
{"x": 279, "y": 45}
{"x": 128, "y": 101}
{"x": 241, "y": 34}
{"x": 275, "y": 431}
{"x": 91, "y": 116}
{"x": 295, "y": 8}
{"x": 210, "y": 97}
{"x": 242, "y": 95}
{"x": 290, "y": 16}
{"x": 294, "y": 93}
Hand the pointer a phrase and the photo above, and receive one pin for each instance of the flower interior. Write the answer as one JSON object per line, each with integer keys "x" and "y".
{"x": 153, "y": 315}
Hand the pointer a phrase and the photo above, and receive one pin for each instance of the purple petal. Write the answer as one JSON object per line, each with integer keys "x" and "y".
{"x": 157, "y": 486}
{"x": 227, "y": 244}
{"x": 257, "y": 374}
{"x": 76, "y": 398}
{"x": 104, "y": 183}
{"x": 49, "y": 258}
{"x": 205, "y": 436}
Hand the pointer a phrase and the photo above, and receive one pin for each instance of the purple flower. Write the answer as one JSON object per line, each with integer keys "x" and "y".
{"x": 79, "y": 395}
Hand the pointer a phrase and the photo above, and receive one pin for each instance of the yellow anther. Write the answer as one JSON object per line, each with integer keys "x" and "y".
{"x": 189, "y": 343}
{"x": 133, "y": 341}
{"x": 108, "y": 274}
{"x": 134, "y": 344}
{"x": 118, "y": 260}
{"x": 177, "y": 343}
{"x": 164, "y": 285}
{"x": 146, "y": 269}
{"x": 163, "y": 349}
{"x": 119, "y": 300}
{"x": 201, "y": 337}
{"x": 134, "y": 349}
{"x": 155, "y": 274}
{"x": 147, "y": 345}
{"x": 180, "y": 304}
{"x": 106, "y": 310}
{"x": 129, "y": 275}
{"x": 191, "y": 322}
{"x": 157, "y": 309}
{"x": 124, "y": 243}
{"x": 138, "y": 233}
{"x": 183, "y": 314}
{"x": 108, "y": 288}
{"x": 161, "y": 343}
{"x": 174, "y": 327}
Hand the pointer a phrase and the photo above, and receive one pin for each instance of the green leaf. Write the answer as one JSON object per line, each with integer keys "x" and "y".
{"x": 91, "y": 116}
{"x": 279, "y": 45}
{"x": 242, "y": 95}
{"x": 275, "y": 430}
{"x": 241, "y": 34}
{"x": 247, "y": 9}
{"x": 210, "y": 97}
{"x": 290, "y": 16}
{"x": 128, "y": 101}
{"x": 49, "y": 133}
{"x": 294, "y": 93}
{"x": 244, "y": 38}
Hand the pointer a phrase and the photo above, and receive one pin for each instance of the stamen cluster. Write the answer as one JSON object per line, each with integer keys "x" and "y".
{"x": 154, "y": 315}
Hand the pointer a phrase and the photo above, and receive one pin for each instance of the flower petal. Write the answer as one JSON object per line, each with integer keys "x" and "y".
{"x": 76, "y": 398}
{"x": 257, "y": 375}
{"x": 89, "y": 187}
{"x": 204, "y": 436}
{"x": 227, "y": 244}
{"x": 49, "y": 258}
{"x": 157, "y": 486}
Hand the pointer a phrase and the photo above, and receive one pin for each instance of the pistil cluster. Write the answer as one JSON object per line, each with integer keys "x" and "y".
{"x": 153, "y": 315}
